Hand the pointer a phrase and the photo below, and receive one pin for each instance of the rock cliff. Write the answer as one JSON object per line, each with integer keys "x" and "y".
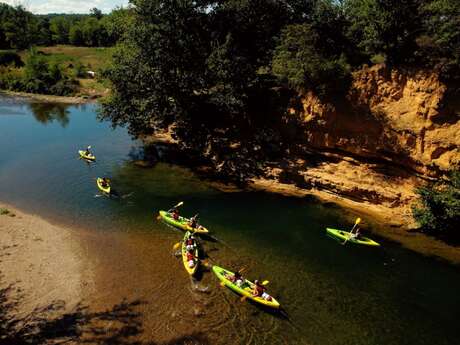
{"x": 393, "y": 130}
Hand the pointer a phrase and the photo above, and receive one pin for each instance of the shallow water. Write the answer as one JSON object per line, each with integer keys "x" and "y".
{"x": 332, "y": 294}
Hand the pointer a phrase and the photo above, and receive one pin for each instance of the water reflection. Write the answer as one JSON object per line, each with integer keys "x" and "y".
{"x": 46, "y": 113}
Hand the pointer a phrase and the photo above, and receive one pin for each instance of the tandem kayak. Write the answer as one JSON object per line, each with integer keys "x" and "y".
{"x": 89, "y": 157}
{"x": 182, "y": 223}
{"x": 99, "y": 185}
{"x": 245, "y": 289}
{"x": 345, "y": 235}
{"x": 191, "y": 270}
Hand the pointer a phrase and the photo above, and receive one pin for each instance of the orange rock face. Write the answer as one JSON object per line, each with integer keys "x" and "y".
{"x": 394, "y": 128}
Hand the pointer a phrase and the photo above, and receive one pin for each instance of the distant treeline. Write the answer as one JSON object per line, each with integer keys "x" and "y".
{"x": 20, "y": 29}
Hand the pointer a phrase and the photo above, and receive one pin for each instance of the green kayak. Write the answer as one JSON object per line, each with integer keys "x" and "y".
{"x": 245, "y": 289}
{"x": 345, "y": 235}
{"x": 182, "y": 223}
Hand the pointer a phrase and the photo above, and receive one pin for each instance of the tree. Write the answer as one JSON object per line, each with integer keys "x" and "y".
{"x": 439, "y": 209}
{"x": 17, "y": 27}
{"x": 302, "y": 61}
{"x": 440, "y": 45}
{"x": 76, "y": 35}
{"x": 388, "y": 27}
{"x": 96, "y": 13}
{"x": 60, "y": 27}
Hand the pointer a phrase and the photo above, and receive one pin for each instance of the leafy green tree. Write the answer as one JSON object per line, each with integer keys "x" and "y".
{"x": 440, "y": 44}
{"x": 17, "y": 27}
{"x": 96, "y": 13}
{"x": 76, "y": 35}
{"x": 439, "y": 208}
{"x": 301, "y": 61}
{"x": 388, "y": 27}
{"x": 60, "y": 27}
{"x": 44, "y": 37}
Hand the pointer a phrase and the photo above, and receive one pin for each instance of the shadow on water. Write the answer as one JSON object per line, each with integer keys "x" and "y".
{"x": 121, "y": 324}
{"x": 46, "y": 113}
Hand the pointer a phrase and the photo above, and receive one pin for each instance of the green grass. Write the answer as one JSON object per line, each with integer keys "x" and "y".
{"x": 6, "y": 212}
{"x": 92, "y": 58}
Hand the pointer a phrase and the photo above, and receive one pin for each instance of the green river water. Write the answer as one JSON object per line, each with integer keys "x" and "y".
{"x": 332, "y": 294}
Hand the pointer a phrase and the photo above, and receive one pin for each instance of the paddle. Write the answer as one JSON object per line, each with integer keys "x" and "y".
{"x": 358, "y": 220}
{"x": 178, "y": 205}
{"x": 265, "y": 282}
{"x": 176, "y": 246}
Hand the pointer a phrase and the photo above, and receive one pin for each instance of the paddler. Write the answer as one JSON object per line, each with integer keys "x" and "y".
{"x": 104, "y": 182}
{"x": 236, "y": 278}
{"x": 88, "y": 152}
{"x": 190, "y": 259}
{"x": 193, "y": 222}
{"x": 174, "y": 212}
{"x": 190, "y": 243}
{"x": 259, "y": 291}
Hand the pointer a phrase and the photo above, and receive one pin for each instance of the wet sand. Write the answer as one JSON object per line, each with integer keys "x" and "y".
{"x": 116, "y": 287}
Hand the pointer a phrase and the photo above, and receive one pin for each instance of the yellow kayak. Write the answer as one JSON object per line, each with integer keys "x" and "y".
{"x": 245, "y": 289}
{"x": 89, "y": 157}
{"x": 99, "y": 185}
{"x": 182, "y": 223}
{"x": 191, "y": 270}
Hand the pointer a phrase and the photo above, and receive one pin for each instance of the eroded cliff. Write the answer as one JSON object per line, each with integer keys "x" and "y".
{"x": 393, "y": 130}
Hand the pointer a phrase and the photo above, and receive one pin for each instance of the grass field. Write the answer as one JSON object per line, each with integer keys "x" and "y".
{"x": 92, "y": 59}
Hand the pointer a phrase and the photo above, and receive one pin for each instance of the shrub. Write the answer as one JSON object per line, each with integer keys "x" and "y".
{"x": 439, "y": 209}
{"x": 10, "y": 58}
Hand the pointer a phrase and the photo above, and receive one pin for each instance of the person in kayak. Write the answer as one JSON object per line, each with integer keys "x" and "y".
{"x": 236, "y": 278}
{"x": 193, "y": 222}
{"x": 174, "y": 212}
{"x": 88, "y": 152}
{"x": 190, "y": 259}
{"x": 190, "y": 243}
{"x": 259, "y": 291}
{"x": 105, "y": 182}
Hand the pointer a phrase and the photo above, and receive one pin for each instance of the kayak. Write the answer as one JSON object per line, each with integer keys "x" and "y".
{"x": 245, "y": 289}
{"x": 89, "y": 157}
{"x": 99, "y": 185}
{"x": 182, "y": 223}
{"x": 196, "y": 261}
{"x": 345, "y": 235}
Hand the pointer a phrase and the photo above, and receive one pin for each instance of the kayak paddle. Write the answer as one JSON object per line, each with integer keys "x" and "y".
{"x": 358, "y": 220}
{"x": 176, "y": 246}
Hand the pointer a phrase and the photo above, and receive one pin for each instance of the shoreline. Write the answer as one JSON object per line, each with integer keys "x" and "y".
{"x": 382, "y": 221}
{"x": 45, "y": 263}
{"x": 34, "y": 97}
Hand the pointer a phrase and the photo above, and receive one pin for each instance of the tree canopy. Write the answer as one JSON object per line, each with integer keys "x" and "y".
{"x": 208, "y": 70}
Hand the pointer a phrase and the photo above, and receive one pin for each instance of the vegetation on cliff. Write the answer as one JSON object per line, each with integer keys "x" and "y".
{"x": 439, "y": 209}
{"x": 219, "y": 75}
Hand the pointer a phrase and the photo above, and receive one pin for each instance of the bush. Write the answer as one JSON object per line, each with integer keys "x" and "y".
{"x": 10, "y": 78}
{"x": 10, "y": 58}
{"x": 299, "y": 61}
{"x": 439, "y": 208}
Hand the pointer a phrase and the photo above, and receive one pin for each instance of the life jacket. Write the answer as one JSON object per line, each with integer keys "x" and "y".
{"x": 260, "y": 290}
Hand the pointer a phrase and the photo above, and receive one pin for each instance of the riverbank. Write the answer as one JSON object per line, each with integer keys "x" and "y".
{"x": 382, "y": 201}
{"x": 45, "y": 263}
{"x": 34, "y": 98}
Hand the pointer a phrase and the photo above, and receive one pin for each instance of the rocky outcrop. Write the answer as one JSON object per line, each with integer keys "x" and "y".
{"x": 398, "y": 116}
{"x": 391, "y": 132}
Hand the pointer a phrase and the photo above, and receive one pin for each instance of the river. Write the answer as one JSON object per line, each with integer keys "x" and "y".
{"x": 331, "y": 294}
